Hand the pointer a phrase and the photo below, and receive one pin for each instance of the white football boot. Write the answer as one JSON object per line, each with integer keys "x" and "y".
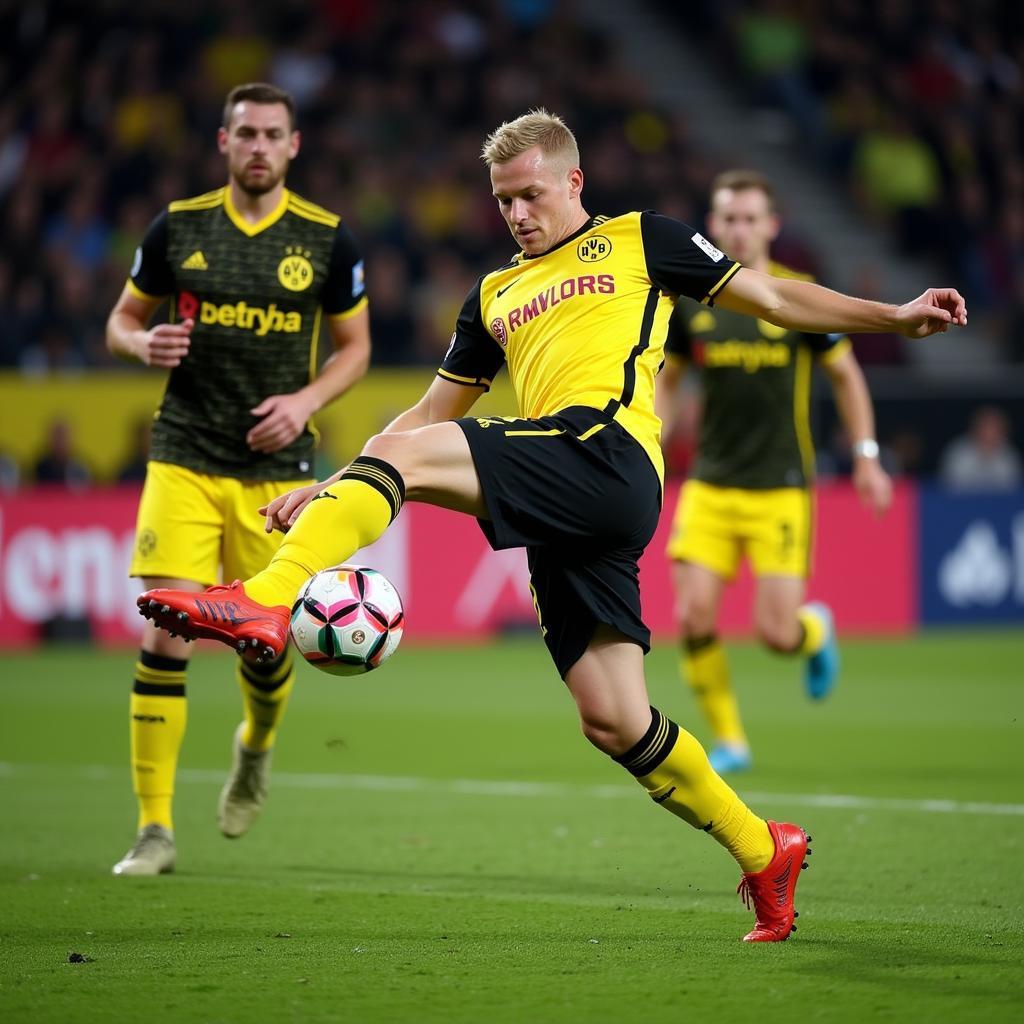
{"x": 152, "y": 854}
{"x": 245, "y": 792}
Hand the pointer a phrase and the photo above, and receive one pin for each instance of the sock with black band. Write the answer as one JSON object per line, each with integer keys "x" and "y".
{"x": 157, "y": 726}
{"x": 344, "y": 517}
{"x": 265, "y": 692}
{"x": 705, "y": 667}
{"x": 672, "y": 766}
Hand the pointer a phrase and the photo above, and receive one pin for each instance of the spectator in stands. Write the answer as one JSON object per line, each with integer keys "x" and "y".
{"x": 984, "y": 459}
{"x": 58, "y": 464}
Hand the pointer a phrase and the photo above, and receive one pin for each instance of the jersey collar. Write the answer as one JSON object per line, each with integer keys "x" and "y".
{"x": 261, "y": 225}
{"x": 523, "y": 257}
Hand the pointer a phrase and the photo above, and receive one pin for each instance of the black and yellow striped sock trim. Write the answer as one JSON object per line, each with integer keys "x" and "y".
{"x": 270, "y": 677}
{"x": 653, "y": 747}
{"x": 382, "y": 477}
{"x": 696, "y": 644}
{"x": 157, "y": 676}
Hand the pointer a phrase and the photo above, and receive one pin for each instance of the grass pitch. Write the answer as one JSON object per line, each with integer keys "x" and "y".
{"x": 442, "y": 845}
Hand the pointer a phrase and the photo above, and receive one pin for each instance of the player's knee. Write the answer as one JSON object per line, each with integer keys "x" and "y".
{"x": 779, "y": 633}
{"x": 603, "y": 732}
{"x": 696, "y": 618}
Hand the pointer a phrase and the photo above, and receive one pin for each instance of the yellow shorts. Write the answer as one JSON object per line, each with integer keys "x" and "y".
{"x": 190, "y": 525}
{"x": 715, "y": 526}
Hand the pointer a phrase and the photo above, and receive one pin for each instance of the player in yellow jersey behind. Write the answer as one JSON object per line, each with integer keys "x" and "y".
{"x": 749, "y": 491}
{"x": 579, "y": 316}
{"x": 250, "y": 271}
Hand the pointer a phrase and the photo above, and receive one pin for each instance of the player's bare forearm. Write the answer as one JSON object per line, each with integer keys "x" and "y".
{"x": 442, "y": 401}
{"x": 852, "y": 398}
{"x": 123, "y": 330}
{"x": 340, "y": 371}
{"x": 347, "y": 363}
{"x": 802, "y": 306}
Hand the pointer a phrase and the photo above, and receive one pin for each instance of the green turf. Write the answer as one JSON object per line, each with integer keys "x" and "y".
{"x": 393, "y": 877}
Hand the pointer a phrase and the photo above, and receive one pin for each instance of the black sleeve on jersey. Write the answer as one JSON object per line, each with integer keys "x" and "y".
{"x": 822, "y": 343}
{"x": 473, "y": 357}
{"x": 345, "y": 285}
{"x": 678, "y": 341}
{"x": 678, "y": 264}
{"x": 151, "y": 273}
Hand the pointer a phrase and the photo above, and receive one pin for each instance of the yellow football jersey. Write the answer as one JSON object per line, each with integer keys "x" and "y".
{"x": 585, "y": 323}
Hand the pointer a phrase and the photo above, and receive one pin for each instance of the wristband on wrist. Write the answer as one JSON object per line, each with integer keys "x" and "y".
{"x": 866, "y": 448}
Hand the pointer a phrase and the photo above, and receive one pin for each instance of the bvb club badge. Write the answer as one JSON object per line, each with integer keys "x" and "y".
{"x": 295, "y": 271}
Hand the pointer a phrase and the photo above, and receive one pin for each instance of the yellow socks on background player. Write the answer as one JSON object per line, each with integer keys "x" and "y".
{"x": 158, "y": 716}
{"x": 672, "y": 766}
{"x": 815, "y": 630}
{"x": 344, "y": 517}
{"x": 265, "y": 692}
{"x": 705, "y": 667}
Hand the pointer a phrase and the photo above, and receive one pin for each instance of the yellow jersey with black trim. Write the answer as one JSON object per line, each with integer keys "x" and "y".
{"x": 755, "y": 429}
{"x": 257, "y": 293}
{"x": 584, "y": 323}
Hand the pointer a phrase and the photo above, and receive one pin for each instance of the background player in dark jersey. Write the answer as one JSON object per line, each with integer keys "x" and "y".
{"x": 250, "y": 270}
{"x": 579, "y": 316}
{"x": 748, "y": 493}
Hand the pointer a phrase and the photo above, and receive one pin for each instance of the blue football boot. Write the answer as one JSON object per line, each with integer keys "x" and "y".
{"x": 730, "y": 757}
{"x": 822, "y": 670}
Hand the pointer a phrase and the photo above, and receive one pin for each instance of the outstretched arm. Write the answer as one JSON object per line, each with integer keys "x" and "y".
{"x": 802, "y": 306}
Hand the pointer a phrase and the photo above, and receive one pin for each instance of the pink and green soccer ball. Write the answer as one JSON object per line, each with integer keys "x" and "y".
{"x": 347, "y": 620}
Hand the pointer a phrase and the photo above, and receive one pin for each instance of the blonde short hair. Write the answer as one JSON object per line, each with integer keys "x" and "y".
{"x": 537, "y": 128}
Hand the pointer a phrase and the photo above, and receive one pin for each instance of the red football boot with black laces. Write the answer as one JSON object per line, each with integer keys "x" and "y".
{"x": 221, "y": 613}
{"x": 770, "y": 892}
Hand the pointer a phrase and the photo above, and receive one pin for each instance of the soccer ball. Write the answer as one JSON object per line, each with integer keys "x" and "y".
{"x": 347, "y": 620}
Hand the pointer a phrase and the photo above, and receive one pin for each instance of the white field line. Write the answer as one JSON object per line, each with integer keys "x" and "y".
{"x": 506, "y": 788}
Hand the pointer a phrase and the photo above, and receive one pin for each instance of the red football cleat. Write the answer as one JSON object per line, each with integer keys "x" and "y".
{"x": 771, "y": 891}
{"x": 220, "y": 613}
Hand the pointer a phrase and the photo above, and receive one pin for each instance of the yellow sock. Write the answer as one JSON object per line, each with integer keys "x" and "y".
{"x": 671, "y": 765}
{"x": 705, "y": 667}
{"x": 343, "y": 518}
{"x": 814, "y": 630}
{"x": 265, "y": 693}
{"x": 158, "y": 716}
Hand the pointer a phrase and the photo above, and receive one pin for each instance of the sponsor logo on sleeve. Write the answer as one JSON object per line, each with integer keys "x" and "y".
{"x": 358, "y": 279}
{"x": 699, "y": 240}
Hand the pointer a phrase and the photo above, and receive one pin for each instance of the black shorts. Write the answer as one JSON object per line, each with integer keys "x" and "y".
{"x": 580, "y": 494}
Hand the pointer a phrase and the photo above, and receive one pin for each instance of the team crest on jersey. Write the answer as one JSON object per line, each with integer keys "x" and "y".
{"x": 295, "y": 271}
{"x": 594, "y": 248}
{"x": 498, "y": 330}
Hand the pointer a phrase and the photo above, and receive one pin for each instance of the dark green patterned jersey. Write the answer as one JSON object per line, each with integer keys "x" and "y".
{"x": 257, "y": 293}
{"x": 756, "y": 379}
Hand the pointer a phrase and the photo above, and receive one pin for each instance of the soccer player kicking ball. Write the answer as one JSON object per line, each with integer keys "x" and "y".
{"x": 749, "y": 492}
{"x": 579, "y": 315}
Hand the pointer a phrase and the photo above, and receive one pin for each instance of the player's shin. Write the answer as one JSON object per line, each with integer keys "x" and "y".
{"x": 705, "y": 667}
{"x": 157, "y": 726}
{"x": 265, "y": 692}
{"x": 344, "y": 517}
{"x": 672, "y": 766}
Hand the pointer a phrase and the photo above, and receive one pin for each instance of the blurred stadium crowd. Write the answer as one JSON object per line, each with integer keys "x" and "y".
{"x": 916, "y": 105}
{"x": 109, "y": 110}
{"x": 105, "y": 120}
